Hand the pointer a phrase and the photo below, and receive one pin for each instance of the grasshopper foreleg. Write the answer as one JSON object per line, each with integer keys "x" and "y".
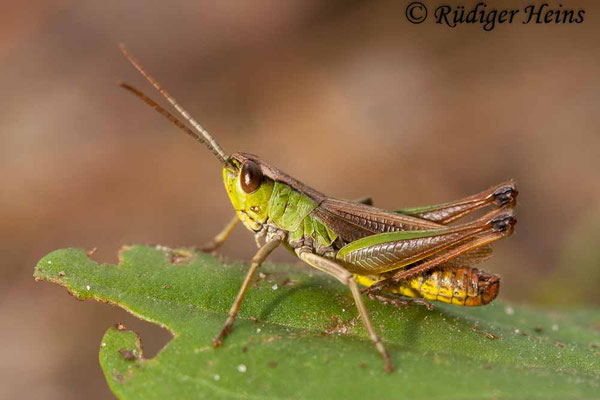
{"x": 341, "y": 274}
{"x": 257, "y": 261}
{"x": 221, "y": 236}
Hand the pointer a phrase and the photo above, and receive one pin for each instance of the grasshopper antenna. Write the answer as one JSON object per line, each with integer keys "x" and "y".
{"x": 204, "y": 137}
{"x": 170, "y": 117}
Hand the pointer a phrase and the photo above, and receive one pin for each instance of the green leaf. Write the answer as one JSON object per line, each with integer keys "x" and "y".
{"x": 307, "y": 342}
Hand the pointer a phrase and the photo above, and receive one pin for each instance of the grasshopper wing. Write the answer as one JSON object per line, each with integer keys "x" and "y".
{"x": 352, "y": 220}
{"x": 472, "y": 258}
{"x": 393, "y": 250}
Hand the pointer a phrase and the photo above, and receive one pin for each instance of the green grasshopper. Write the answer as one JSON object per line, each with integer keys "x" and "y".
{"x": 412, "y": 252}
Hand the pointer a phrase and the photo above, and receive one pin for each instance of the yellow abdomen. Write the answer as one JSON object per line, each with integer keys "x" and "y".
{"x": 459, "y": 286}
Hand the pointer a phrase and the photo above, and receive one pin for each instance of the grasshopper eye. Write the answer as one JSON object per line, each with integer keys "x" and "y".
{"x": 251, "y": 177}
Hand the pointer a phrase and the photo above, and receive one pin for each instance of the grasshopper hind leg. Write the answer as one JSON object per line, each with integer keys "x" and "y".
{"x": 397, "y": 302}
{"x": 500, "y": 225}
{"x": 502, "y": 195}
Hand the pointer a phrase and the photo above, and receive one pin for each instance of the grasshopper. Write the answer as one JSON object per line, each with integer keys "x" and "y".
{"x": 412, "y": 252}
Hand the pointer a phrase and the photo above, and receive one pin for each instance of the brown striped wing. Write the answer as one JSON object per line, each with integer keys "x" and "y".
{"x": 352, "y": 221}
{"x": 393, "y": 250}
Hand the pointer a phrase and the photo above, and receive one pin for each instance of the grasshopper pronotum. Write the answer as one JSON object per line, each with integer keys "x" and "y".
{"x": 411, "y": 252}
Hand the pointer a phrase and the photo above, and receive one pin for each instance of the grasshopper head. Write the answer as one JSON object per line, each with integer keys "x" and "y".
{"x": 248, "y": 188}
{"x": 248, "y": 180}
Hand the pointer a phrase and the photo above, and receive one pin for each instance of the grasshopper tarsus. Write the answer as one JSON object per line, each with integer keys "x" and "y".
{"x": 217, "y": 342}
{"x": 389, "y": 367}
{"x": 209, "y": 248}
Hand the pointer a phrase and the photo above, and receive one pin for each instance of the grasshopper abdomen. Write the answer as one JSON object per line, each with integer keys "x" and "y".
{"x": 465, "y": 286}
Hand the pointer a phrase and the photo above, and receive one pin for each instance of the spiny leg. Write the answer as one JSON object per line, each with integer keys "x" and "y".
{"x": 221, "y": 237}
{"x": 257, "y": 260}
{"x": 341, "y": 274}
{"x": 501, "y": 227}
{"x": 397, "y": 301}
{"x": 504, "y": 194}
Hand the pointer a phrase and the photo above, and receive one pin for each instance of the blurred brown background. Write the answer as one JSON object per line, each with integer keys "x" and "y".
{"x": 347, "y": 96}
